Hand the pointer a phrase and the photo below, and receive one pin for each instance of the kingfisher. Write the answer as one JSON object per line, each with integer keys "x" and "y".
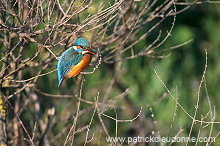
{"x": 74, "y": 60}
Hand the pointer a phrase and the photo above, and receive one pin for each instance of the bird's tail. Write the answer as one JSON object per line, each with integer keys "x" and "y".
{"x": 60, "y": 81}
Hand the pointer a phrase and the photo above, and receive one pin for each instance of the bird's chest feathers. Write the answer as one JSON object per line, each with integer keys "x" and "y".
{"x": 76, "y": 69}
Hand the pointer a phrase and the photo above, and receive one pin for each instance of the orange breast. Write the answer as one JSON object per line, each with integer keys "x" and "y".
{"x": 76, "y": 69}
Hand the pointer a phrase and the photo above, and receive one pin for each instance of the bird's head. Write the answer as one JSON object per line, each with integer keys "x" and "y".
{"x": 82, "y": 42}
{"x": 82, "y": 46}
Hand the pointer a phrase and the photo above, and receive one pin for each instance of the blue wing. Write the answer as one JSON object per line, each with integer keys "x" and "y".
{"x": 66, "y": 61}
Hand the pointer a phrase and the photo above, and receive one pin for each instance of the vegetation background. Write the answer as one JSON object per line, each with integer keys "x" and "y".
{"x": 156, "y": 71}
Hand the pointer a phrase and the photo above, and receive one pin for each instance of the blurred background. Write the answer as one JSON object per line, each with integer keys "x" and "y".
{"x": 88, "y": 108}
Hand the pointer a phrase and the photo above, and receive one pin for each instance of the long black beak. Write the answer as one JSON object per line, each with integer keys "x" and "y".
{"x": 91, "y": 51}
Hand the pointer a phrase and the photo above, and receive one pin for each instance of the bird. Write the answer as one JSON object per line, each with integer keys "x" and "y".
{"x": 74, "y": 60}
